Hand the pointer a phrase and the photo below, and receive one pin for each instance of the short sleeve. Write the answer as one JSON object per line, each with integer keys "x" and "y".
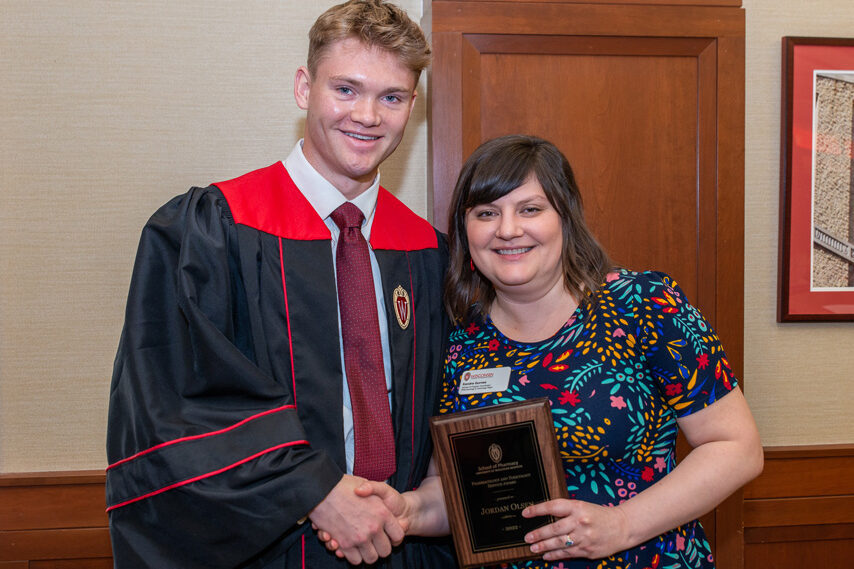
{"x": 684, "y": 355}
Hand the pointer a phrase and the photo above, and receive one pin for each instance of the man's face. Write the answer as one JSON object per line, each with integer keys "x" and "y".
{"x": 357, "y": 103}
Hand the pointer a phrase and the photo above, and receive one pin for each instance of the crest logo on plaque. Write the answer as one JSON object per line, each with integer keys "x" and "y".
{"x": 495, "y": 453}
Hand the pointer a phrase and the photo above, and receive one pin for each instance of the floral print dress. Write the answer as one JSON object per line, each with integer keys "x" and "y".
{"x": 618, "y": 374}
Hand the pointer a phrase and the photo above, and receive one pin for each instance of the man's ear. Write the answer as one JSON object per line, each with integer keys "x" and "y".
{"x": 302, "y": 87}
{"x": 412, "y": 102}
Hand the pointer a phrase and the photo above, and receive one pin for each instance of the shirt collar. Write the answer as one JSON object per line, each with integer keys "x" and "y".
{"x": 323, "y": 196}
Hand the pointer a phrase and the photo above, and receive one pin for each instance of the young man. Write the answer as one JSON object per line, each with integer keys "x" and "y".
{"x": 239, "y": 418}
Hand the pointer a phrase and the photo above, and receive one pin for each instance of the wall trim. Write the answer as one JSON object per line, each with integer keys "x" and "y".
{"x": 54, "y": 519}
{"x": 800, "y": 511}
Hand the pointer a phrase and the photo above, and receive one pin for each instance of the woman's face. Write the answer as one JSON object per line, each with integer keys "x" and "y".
{"x": 516, "y": 242}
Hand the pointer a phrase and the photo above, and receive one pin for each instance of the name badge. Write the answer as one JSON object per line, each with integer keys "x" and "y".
{"x": 487, "y": 380}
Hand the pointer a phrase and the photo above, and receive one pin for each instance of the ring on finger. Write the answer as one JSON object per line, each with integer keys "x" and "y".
{"x": 569, "y": 542}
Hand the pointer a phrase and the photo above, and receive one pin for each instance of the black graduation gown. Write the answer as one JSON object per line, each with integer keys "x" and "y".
{"x": 225, "y": 424}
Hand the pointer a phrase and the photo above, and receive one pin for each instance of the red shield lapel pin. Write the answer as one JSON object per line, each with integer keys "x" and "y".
{"x": 400, "y": 299}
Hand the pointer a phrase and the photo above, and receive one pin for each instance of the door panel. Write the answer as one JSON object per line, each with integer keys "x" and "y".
{"x": 647, "y": 102}
{"x": 635, "y": 164}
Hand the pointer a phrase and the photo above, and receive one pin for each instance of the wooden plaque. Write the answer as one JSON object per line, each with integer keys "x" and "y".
{"x": 494, "y": 462}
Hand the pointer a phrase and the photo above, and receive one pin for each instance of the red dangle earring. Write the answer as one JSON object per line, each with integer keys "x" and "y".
{"x": 471, "y": 264}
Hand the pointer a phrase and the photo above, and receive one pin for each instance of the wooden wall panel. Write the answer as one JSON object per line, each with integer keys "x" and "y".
{"x": 800, "y": 511}
{"x": 791, "y": 472}
{"x": 54, "y": 521}
{"x": 648, "y": 172}
{"x": 653, "y": 2}
{"x": 73, "y": 564}
{"x": 615, "y": 145}
{"x": 599, "y": 19}
{"x": 798, "y": 555}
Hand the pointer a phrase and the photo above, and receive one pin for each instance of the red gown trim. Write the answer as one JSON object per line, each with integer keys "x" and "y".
{"x": 206, "y": 475}
{"x": 288, "y": 319}
{"x": 414, "y": 379}
{"x": 397, "y": 228}
{"x": 269, "y": 201}
{"x": 200, "y": 436}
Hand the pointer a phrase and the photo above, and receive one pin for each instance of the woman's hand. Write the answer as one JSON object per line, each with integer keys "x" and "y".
{"x": 727, "y": 454}
{"x": 594, "y": 531}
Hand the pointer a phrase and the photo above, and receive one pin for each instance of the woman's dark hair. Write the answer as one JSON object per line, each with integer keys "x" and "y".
{"x": 495, "y": 169}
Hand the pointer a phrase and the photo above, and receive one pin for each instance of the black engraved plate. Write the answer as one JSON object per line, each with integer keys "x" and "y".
{"x": 499, "y": 472}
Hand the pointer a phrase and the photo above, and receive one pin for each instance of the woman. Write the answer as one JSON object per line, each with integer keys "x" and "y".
{"x": 622, "y": 356}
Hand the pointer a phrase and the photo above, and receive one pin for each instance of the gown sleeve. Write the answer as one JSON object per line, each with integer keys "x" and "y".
{"x": 683, "y": 351}
{"x": 209, "y": 464}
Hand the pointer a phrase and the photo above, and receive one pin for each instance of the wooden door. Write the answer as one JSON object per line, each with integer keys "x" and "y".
{"x": 647, "y": 102}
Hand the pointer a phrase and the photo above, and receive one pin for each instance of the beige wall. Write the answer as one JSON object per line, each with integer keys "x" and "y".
{"x": 799, "y": 376}
{"x": 109, "y": 109}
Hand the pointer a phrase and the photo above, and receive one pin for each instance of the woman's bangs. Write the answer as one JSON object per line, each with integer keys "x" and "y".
{"x": 495, "y": 179}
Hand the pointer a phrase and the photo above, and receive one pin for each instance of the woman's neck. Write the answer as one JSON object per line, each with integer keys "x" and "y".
{"x": 532, "y": 319}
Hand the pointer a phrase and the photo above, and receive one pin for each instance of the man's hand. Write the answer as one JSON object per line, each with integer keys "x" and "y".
{"x": 419, "y": 512}
{"x": 393, "y": 500}
{"x": 363, "y": 527}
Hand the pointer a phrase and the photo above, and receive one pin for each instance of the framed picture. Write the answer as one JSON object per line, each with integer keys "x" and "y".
{"x": 816, "y": 268}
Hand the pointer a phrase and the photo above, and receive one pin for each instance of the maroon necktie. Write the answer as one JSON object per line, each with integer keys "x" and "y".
{"x": 363, "y": 356}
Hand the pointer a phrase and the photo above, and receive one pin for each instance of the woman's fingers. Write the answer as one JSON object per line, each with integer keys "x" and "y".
{"x": 561, "y": 509}
{"x": 581, "y": 529}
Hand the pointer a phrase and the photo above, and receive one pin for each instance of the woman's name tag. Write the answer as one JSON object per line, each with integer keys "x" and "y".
{"x": 488, "y": 380}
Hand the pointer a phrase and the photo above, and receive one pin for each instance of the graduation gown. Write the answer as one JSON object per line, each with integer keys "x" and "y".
{"x": 225, "y": 422}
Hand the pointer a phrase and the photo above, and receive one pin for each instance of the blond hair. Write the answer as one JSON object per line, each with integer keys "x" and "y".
{"x": 377, "y": 23}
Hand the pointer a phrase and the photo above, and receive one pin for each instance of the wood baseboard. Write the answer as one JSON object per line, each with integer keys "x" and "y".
{"x": 800, "y": 511}
{"x": 54, "y": 520}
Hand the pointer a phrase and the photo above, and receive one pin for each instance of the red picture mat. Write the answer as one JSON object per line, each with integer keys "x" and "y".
{"x": 797, "y": 300}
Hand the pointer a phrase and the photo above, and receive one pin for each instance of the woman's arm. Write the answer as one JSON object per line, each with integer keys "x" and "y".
{"x": 727, "y": 454}
{"x": 420, "y": 511}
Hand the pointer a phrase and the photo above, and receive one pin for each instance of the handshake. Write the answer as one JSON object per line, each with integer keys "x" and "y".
{"x": 362, "y": 520}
